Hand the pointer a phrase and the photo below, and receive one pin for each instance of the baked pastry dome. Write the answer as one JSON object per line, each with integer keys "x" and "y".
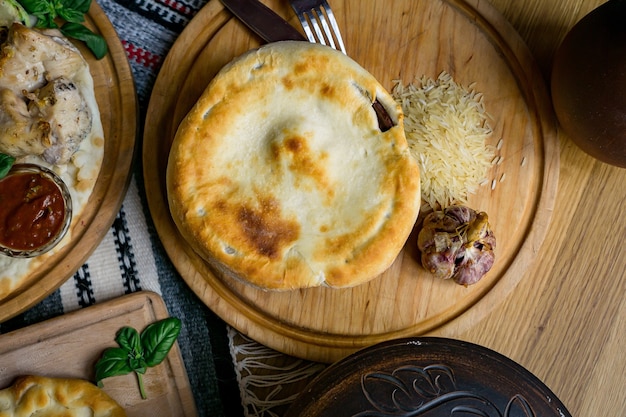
{"x": 35, "y": 395}
{"x": 281, "y": 175}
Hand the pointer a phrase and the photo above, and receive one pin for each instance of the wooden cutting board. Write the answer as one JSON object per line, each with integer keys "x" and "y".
{"x": 115, "y": 94}
{"x": 476, "y": 45}
{"x": 70, "y": 345}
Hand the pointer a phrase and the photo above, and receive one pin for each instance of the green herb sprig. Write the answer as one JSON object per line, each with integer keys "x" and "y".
{"x": 6, "y": 162}
{"x": 72, "y": 12}
{"x": 138, "y": 352}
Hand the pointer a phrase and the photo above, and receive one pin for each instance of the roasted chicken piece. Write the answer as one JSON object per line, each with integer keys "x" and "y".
{"x": 457, "y": 243}
{"x": 42, "y": 111}
{"x": 52, "y": 124}
{"x": 29, "y": 58}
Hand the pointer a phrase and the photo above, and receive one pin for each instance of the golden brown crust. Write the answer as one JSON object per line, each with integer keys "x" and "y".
{"x": 42, "y": 396}
{"x": 280, "y": 174}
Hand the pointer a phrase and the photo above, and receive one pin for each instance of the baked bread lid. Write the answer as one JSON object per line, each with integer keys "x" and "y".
{"x": 280, "y": 174}
{"x": 42, "y": 396}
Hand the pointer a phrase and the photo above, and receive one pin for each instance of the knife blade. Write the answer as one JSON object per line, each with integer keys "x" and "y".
{"x": 262, "y": 20}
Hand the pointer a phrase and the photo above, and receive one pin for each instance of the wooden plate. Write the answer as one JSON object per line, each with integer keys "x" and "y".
{"x": 115, "y": 93}
{"x": 466, "y": 38}
{"x": 428, "y": 376}
{"x": 70, "y": 345}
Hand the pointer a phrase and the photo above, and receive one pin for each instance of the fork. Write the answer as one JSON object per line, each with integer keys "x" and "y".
{"x": 317, "y": 14}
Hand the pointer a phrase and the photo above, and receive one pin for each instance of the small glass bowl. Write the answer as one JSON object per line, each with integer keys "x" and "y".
{"x": 67, "y": 200}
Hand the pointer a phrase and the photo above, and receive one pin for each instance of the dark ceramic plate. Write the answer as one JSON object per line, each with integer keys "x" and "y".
{"x": 430, "y": 377}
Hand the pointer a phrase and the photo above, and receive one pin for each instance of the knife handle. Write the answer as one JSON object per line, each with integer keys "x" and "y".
{"x": 262, "y": 20}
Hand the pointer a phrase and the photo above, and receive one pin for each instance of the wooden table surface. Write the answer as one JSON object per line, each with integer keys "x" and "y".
{"x": 567, "y": 324}
{"x": 566, "y": 320}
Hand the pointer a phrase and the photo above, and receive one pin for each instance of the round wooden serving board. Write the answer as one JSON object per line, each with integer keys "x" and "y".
{"x": 115, "y": 93}
{"x": 468, "y": 39}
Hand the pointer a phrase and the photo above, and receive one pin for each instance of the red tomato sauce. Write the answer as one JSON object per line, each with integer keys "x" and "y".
{"x": 32, "y": 211}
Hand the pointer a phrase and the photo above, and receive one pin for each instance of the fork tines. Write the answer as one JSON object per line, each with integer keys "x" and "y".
{"x": 318, "y": 14}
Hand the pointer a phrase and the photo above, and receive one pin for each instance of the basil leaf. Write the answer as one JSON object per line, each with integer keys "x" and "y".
{"x": 128, "y": 338}
{"x": 45, "y": 12}
{"x": 78, "y": 5}
{"x": 37, "y": 7}
{"x": 6, "y": 162}
{"x": 45, "y": 21}
{"x": 114, "y": 362}
{"x": 158, "y": 338}
{"x": 138, "y": 364}
{"x": 138, "y": 352}
{"x": 75, "y": 16}
{"x": 94, "y": 42}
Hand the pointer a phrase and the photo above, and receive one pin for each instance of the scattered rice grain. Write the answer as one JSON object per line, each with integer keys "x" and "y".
{"x": 447, "y": 130}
